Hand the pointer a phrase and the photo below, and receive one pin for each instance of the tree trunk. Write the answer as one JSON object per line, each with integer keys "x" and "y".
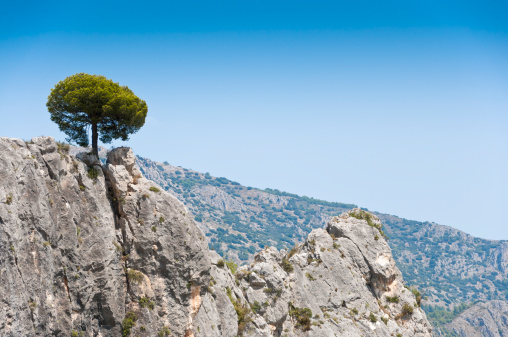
{"x": 95, "y": 136}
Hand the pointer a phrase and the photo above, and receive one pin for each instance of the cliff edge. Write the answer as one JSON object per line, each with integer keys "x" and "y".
{"x": 98, "y": 250}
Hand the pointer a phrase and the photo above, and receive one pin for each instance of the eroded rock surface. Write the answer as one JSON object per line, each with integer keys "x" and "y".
{"x": 98, "y": 250}
{"x": 79, "y": 250}
{"x": 341, "y": 282}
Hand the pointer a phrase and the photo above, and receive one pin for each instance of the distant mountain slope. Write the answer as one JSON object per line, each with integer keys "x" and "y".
{"x": 448, "y": 266}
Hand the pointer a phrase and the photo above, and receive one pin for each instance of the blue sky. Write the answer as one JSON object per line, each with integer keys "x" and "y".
{"x": 400, "y": 107}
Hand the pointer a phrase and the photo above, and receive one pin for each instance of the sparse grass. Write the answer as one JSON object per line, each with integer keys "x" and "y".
{"x": 220, "y": 263}
{"x": 93, "y": 173}
{"x": 242, "y": 311}
{"x": 310, "y": 277}
{"x": 286, "y": 265}
{"x": 385, "y": 320}
{"x": 144, "y": 302}
{"x": 161, "y": 219}
{"x": 8, "y": 199}
{"x": 301, "y": 315}
{"x": 128, "y": 323}
{"x": 362, "y": 215}
{"x": 154, "y": 229}
{"x": 256, "y": 307}
{"x": 372, "y": 318}
{"x": 417, "y": 294}
{"x": 62, "y": 148}
{"x": 135, "y": 276}
{"x": 164, "y": 332}
{"x": 32, "y": 305}
{"x": 232, "y": 266}
{"x": 392, "y": 299}
{"x": 407, "y": 309}
{"x": 154, "y": 189}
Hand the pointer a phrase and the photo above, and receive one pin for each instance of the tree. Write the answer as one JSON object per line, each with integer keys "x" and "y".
{"x": 82, "y": 103}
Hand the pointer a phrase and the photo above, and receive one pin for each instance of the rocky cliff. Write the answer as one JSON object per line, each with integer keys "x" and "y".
{"x": 98, "y": 250}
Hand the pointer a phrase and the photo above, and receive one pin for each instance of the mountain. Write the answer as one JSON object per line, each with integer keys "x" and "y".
{"x": 93, "y": 249}
{"x": 448, "y": 266}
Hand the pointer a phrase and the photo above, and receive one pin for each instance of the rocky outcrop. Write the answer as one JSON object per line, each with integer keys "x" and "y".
{"x": 88, "y": 249}
{"x": 481, "y": 320}
{"x": 341, "y": 282}
{"x": 91, "y": 253}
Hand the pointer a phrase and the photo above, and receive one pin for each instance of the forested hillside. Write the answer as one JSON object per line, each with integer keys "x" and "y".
{"x": 448, "y": 266}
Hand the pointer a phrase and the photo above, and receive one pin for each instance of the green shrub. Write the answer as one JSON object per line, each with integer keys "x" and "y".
{"x": 93, "y": 173}
{"x": 301, "y": 315}
{"x": 220, "y": 263}
{"x": 161, "y": 219}
{"x": 385, "y": 320}
{"x": 232, "y": 266}
{"x": 135, "y": 276}
{"x": 310, "y": 277}
{"x": 242, "y": 311}
{"x": 392, "y": 299}
{"x": 164, "y": 332}
{"x": 286, "y": 265}
{"x": 63, "y": 148}
{"x": 255, "y": 307}
{"x": 154, "y": 189}
{"x": 407, "y": 309}
{"x": 128, "y": 323}
{"x": 8, "y": 199}
{"x": 372, "y": 318}
{"x": 144, "y": 302}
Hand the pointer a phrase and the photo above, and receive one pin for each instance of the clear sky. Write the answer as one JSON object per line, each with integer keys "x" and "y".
{"x": 397, "y": 106}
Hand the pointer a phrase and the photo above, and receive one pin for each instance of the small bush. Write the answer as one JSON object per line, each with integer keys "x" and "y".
{"x": 144, "y": 302}
{"x": 93, "y": 173}
{"x": 407, "y": 309}
{"x": 8, "y": 199}
{"x": 354, "y": 311}
{"x": 63, "y": 148}
{"x": 74, "y": 333}
{"x": 392, "y": 299}
{"x": 164, "y": 332}
{"x": 232, "y": 266}
{"x": 128, "y": 323}
{"x": 154, "y": 189}
{"x": 310, "y": 277}
{"x": 154, "y": 229}
{"x": 385, "y": 320}
{"x": 255, "y": 307}
{"x": 286, "y": 265}
{"x": 161, "y": 219}
{"x": 220, "y": 263}
{"x": 372, "y": 318}
{"x": 135, "y": 276}
{"x": 302, "y": 316}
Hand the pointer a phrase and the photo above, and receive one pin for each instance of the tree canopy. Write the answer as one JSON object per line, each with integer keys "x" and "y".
{"x": 82, "y": 104}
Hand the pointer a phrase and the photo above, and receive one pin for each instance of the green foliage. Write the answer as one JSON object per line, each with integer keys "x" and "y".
{"x": 63, "y": 148}
{"x": 84, "y": 101}
{"x": 372, "y": 318}
{"x": 220, "y": 263}
{"x": 286, "y": 265}
{"x": 439, "y": 316}
{"x": 256, "y": 307}
{"x": 310, "y": 277}
{"x": 407, "y": 309}
{"x": 161, "y": 219}
{"x": 74, "y": 333}
{"x": 154, "y": 189}
{"x": 362, "y": 215}
{"x": 392, "y": 299}
{"x": 164, "y": 332}
{"x": 135, "y": 276}
{"x": 302, "y": 316}
{"x": 128, "y": 323}
{"x": 144, "y": 302}
{"x": 242, "y": 311}
{"x": 417, "y": 294}
{"x": 232, "y": 266}
{"x": 93, "y": 173}
{"x": 8, "y": 199}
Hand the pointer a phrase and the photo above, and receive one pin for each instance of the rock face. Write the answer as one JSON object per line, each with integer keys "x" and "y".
{"x": 341, "y": 282}
{"x": 80, "y": 250}
{"x": 482, "y": 319}
{"x": 98, "y": 250}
